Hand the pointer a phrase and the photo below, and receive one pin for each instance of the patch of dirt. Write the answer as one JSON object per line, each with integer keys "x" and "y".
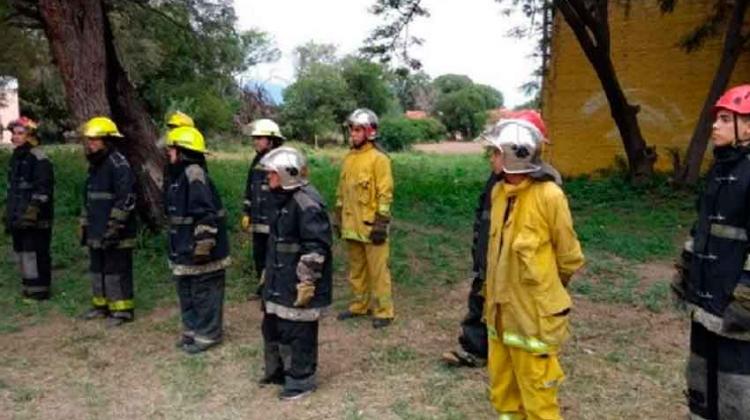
{"x": 621, "y": 360}
{"x": 451, "y": 147}
{"x": 654, "y": 272}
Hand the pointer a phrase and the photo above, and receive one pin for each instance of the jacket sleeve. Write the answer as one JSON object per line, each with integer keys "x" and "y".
{"x": 383, "y": 185}
{"x": 124, "y": 191}
{"x": 315, "y": 242}
{"x": 564, "y": 239}
{"x": 201, "y": 204}
{"x": 44, "y": 182}
{"x": 248, "y": 201}
{"x": 340, "y": 187}
{"x": 482, "y": 206}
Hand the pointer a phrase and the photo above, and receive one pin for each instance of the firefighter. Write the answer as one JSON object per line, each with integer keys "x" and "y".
{"x": 298, "y": 275}
{"x": 179, "y": 119}
{"x": 473, "y": 338}
{"x": 198, "y": 243}
{"x": 715, "y": 281}
{"x": 29, "y": 208}
{"x": 362, "y": 218}
{"x": 534, "y": 254}
{"x": 108, "y": 225}
{"x": 258, "y": 204}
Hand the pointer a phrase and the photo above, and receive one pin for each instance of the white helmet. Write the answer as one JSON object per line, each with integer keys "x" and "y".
{"x": 520, "y": 142}
{"x": 363, "y": 117}
{"x": 289, "y": 163}
{"x": 266, "y": 128}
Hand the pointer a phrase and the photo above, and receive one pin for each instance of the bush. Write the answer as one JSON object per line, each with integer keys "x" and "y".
{"x": 398, "y": 133}
{"x": 430, "y": 129}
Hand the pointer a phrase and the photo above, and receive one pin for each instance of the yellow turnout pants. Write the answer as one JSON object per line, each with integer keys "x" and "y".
{"x": 370, "y": 279}
{"x": 523, "y": 385}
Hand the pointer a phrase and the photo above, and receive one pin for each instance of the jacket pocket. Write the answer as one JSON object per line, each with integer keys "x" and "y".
{"x": 553, "y": 311}
{"x": 526, "y": 246}
{"x": 364, "y": 188}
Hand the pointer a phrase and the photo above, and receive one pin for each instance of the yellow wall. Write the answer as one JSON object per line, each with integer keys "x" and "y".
{"x": 669, "y": 85}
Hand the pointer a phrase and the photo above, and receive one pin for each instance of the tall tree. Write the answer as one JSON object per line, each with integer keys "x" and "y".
{"x": 390, "y": 42}
{"x": 98, "y": 45}
{"x": 589, "y": 20}
{"x": 730, "y": 16}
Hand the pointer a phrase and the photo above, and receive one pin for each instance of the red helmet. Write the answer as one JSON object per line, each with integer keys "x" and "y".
{"x": 736, "y": 99}
{"x": 24, "y": 122}
{"x": 530, "y": 116}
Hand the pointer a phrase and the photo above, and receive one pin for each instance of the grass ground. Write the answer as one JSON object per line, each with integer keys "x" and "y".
{"x": 625, "y": 359}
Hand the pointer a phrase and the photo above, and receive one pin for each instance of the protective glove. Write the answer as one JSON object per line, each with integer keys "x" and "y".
{"x": 337, "y": 222}
{"x": 737, "y": 313}
{"x": 305, "y": 293}
{"x": 245, "y": 223}
{"x": 29, "y": 217}
{"x": 111, "y": 236}
{"x": 202, "y": 250}
{"x": 379, "y": 232}
{"x": 565, "y": 279}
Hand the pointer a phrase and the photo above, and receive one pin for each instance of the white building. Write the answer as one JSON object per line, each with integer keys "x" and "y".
{"x": 9, "y": 110}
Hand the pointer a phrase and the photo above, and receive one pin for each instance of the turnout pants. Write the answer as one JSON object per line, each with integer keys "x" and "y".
{"x": 260, "y": 247}
{"x": 523, "y": 385}
{"x": 290, "y": 351}
{"x": 202, "y": 306}
{"x": 111, "y": 272}
{"x": 370, "y": 279}
{"x": 32, "y": 248}
{"x": 473, "y": 338}
{"x": 718, "y": 376}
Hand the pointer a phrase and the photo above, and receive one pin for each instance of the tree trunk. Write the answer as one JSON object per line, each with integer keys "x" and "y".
{"x": 82, "y": 46}
{"x": 591, "y": 29}
{"x": 733, "y": 47}
{"x": 641, "y": 158}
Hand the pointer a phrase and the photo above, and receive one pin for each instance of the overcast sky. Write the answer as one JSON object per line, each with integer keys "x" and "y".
{"x": 461, "y": 36}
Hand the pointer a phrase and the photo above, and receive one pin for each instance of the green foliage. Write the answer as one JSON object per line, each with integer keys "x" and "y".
{"x": 413, "y": 90}
{"x": 399, "y": 133}
{"x": 317, "y": 103}
{"x": 463, "y": 110}
{"x": 173, "y": 51}
{"x": 492, "y": 97}
{"x": 449, "y": 83}
{"x": 367, "y": 84}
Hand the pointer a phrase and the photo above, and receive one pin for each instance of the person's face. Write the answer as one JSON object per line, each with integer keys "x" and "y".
{"x": 261, "y": 143}
{"x": 172, "y": 155}
{"x": 19, "y": 135}
{"x": 94, "y": 144}
{"x": 274, "y": 180}
{"x": 357, "y": 135}
{"x": 496, "y": 161}
{"x": 723, "y": 133}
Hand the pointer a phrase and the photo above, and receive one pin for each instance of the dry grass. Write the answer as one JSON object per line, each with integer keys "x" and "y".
{"x": 624, "y": 360}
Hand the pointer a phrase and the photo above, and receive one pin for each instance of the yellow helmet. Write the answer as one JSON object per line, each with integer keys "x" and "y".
{"x": 266, "y": 128}
{"x": 188, "y": 138}
{"x": 100, "y": 127}
{"x": 179, "y": 119}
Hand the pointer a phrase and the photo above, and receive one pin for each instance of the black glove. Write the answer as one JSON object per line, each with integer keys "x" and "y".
{"x": 29, "y": 217}
{"x": 111, "y": 237}
{"x": 736, "y": 318}
{"x": 737, "y": 314}
{"x": 379, "y": 232}
{"x": 202, "y": 250}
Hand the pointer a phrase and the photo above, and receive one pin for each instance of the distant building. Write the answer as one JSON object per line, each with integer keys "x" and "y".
{"x": 667, "y": 83}
{"x": 8, "y": 105}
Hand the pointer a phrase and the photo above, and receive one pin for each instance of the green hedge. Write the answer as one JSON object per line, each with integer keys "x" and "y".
{"x": 399, "y": 133}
